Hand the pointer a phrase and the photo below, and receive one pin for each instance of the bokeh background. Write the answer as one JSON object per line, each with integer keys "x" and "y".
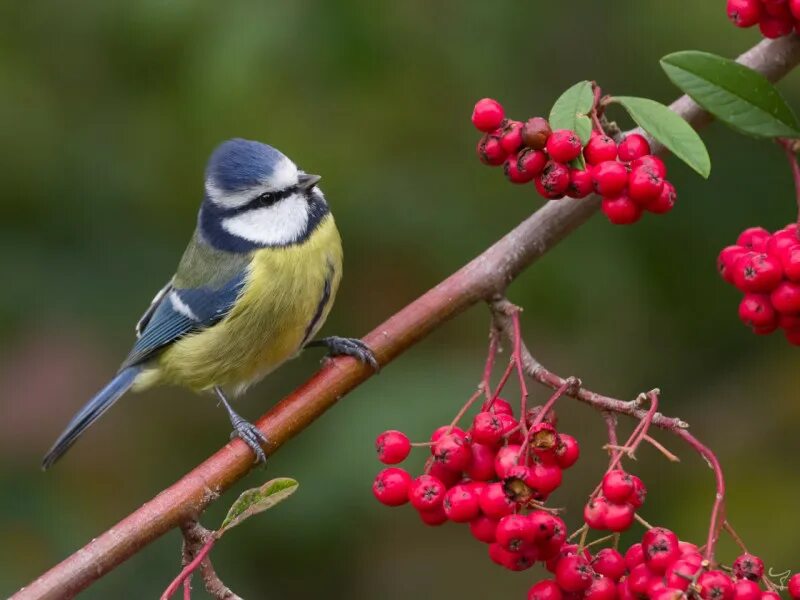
{"x": 108, "y": 113}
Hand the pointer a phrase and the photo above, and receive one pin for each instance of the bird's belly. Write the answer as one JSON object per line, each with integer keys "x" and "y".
{"x": 285, "y": 300}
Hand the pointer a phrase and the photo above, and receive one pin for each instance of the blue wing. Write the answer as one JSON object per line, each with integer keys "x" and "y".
{"x": 177, "y": 312}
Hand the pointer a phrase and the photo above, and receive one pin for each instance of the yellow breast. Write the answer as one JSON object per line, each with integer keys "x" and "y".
{"x": 285, "y": 300}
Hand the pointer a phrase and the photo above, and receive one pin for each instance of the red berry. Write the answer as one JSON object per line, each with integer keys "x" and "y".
{"x": 775, "y": 27}
{"x": 544, "y": 478}
{"x": 563, "y": 145}
{"x": 501, "y": 406}
{"x": 511, "y": 138}
{"x": 507, "y": 457}
{"x": 594, "y": 513}
{"x": 794, "y": 8}
{"x": 748, "y": 566}
{"x": 546, "y": 589}
{"x": 566, "y": 550}
{"x": 567, "y": 451}
{"x": 665, "y": 201}
{"x": 727, "y": 258}
{"x": 744, "y": 589}
{"x": 609, "y": 562}
{"x": 644, "y": 185}
{"x": 448, "y": 477}
{"x": 543, "y": 525}
{"x": 483, "y": 529}
{"x": 487, "y": 115}
{"x": 392, "y": 446}
{"x": 744, "y": 13}
{"x": 770, "y": 596}
{"x": 573, "y": 573}
{"x": 602, "y": 588}
{"x": 715, "y": 585}
{"x": 461, "y": 504}
{"x": 680, "y": 573}
{"x": 660, "y": 547}
{"x": 515, "y": 532}
{"x": 600, "y": 149}
{"x": 535, "y": 133}
{"x": 754, "y": 238}
{"x": 668, "y": 594}
{"x": 490, "y": 152}
{"x": 391, "y": 486}
{"x": 617, "y": 486}
{"x": 489, "y": 428}
{"x": 786, "y": 297}
{"x": 452, "y": 452}
{"x": 653, "y": 161}
{"x": 780, "y": 241}
{"x": 790, "y": 261}
{"x": 634, "y": 556}
{"x": 445, "y": 430}
{"x": 513, "y": 173}
{"x": 552, "y": 183}
{"x": 609, "y": 178}
{"x": 639, "y": 493}
{"x": 639, "y": 580}
{"x": 621, "y": 210}
{"x": 757, "y": 272}
{"x": 434, "y": 517}
{"x": 794, "y": 586}
{"x": 531, "y": 162}
{"x": 619, "y": 517}
{"x": 632, "y": 147}
{"x": 494, "y": 502}
{"x": 482, "y": 466}
{"x": 755, "y": 310}
{"x": 426, "y": 492}
{"x": 580, "y": 183}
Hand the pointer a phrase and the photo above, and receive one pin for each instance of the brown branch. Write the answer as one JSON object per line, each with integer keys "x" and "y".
{"x": 485, "y": 276}
{"x": 195, "y": 537}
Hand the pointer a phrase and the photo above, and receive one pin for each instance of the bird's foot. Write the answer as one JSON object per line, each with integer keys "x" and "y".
{"x": 244, "y": 430}
{"x": 250, "y": 435}
{"x": 342, "y": 346}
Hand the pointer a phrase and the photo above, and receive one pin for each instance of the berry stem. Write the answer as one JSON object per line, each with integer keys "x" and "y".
{"x": 638, "y": 517}
{"x": 658, "y": 446}
{"x": 732, "y": 532}
{"x": 790, "y": 147}
{"x": 503, "y": 380}
{"x": 467, "y": 405}
{"x": 578, "y": 532}
{"x": 187, "y": 588}
{"x": 523, "y": 387}
{"x": 611, "y": 425}
{"x": 602, "y": 540}
{"x": 188, "y": 569}
{"x": 718, "y": 509}
{"x": 491, "y": 354}
{"x": 542, "y": 414}
{"x": 598, "y": 92}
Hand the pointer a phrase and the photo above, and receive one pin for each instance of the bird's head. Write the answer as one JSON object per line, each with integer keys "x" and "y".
{"x": 255, "y": 196}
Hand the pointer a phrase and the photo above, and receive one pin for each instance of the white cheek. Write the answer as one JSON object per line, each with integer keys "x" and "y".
{"x": 281, "y": 223}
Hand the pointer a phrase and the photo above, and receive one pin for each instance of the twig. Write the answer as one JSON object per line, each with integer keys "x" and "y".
{"x": 658, "y": 446}
{"x": 790, "y": 147}
{"x": 488, "y": 274}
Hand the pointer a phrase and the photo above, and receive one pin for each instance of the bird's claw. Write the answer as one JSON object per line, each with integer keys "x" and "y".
{"x": 342, "y": 346}
{"x": 252, "y": 436}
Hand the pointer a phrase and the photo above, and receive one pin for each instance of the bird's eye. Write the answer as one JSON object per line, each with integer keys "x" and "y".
{"x": 267, "y": 198}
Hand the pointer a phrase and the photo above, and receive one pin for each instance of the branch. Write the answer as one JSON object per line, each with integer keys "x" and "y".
{"x": 485, "y": 276}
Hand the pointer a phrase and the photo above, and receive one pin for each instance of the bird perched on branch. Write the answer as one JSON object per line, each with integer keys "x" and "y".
{"x": 253, "y": 287}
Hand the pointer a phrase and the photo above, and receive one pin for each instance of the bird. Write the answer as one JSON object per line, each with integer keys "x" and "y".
{"x": 253, "y": 287}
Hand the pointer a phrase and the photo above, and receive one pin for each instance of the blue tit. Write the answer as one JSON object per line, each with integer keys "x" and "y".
{"x": 252, "y": 289}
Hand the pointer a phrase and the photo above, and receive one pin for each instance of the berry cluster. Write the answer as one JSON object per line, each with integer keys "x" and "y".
{"x": 491, "y": 477}
{"x": 766, "y": 268}
{"x": 775, "y": 18}
{"x": 629, "y": 178}
{"x": 615, "y": 507}
{"x": 660, "y": 567}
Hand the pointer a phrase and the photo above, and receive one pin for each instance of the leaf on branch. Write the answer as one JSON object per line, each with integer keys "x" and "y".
{"x": 669, "y": 129}
{"x": 737, "y": 95}
{"x": 256, "y": 500}
{"x": 572, "y": 109}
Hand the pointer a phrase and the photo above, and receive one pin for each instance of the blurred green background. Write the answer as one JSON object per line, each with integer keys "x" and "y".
{"x": 109, "y": 112}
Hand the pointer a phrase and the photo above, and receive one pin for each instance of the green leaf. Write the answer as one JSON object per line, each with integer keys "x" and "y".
{"x": 256, "y": 500}
{"x": 738, "y": 96}
{"x": 572, "y": 109}
{"x": 669, "y": 129}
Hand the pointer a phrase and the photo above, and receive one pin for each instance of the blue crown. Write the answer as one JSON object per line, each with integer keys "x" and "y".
{"x": 238, "y": 164}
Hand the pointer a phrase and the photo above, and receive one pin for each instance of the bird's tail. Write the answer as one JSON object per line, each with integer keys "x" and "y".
{"x": 90, "y": 412}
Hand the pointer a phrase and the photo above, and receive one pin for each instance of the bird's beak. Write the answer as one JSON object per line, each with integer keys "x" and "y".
{"x": 306, "y": 181}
